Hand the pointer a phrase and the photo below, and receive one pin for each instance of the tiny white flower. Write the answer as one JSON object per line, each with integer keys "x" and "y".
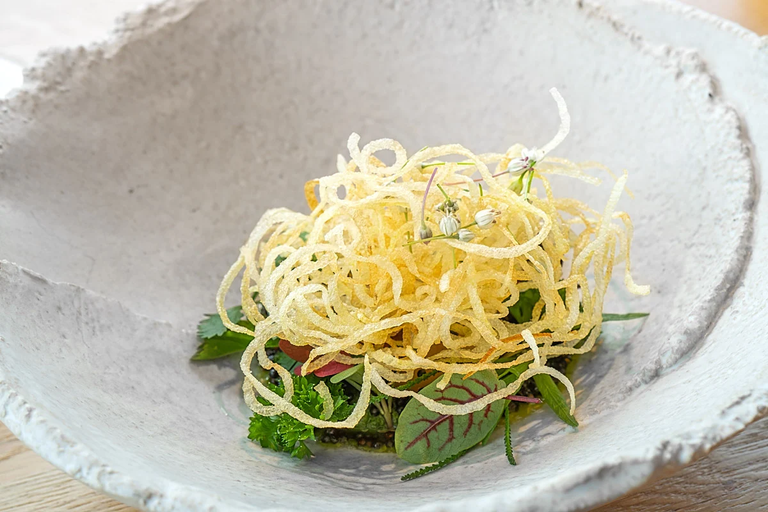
{"x": 425, "y": 232}
{"x": 466, "y": 235}
{"x": 532, "y": 154}
{"x": 449, "y": 225}
{"x": 528, "y": 157}
{"x": 485, "y": 218}
{"x": 517, "y": 165}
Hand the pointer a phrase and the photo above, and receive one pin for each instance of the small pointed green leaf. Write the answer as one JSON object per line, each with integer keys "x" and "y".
{"x": 614, "y": 317}
{"x": 346, "y": 374}
{"x": 554, "y": 399}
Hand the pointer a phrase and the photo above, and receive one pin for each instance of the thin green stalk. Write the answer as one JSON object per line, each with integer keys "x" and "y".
{"x": 354, "y": 384}
{"x": 441, "y": 237}
{"x": 408, "y": 236}
{"x": 436, "y": 237}
{"x": 385, "y": 408}
{"x": 445, "y": 194}
{"x": 382, "y": 409}
{"x": 530, "y": 181}
{"x": 443, "y": 163}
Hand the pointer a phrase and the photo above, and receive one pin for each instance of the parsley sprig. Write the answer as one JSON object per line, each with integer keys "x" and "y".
{"x": 218, "y": 341}
{"x": 284, "y": 433}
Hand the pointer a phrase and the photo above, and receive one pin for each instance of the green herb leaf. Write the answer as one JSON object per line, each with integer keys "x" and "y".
{"x": 304, "y": 235}
{"x": 513, "y": 373}
{"x": 218, "y": 341}
{"x": 614, "y": 317}
{"x": 212, "y": 325}
{"x": 349, "y": 372}
{"x": 280, "y": 259}
{"x": 272, "y": 342}
{"x": 292, "y": 431}
{"x": 553, "y": 398}
{"x": 301, "y": 451}
{"x": 220, "y": 346}
{"x": 433, "y": 467}
{"x": 371, "y": 423}
{"x": 424, "y": 436}
{"x": 522, "y": 310}
{"x": 508, "y": 438}
{"x": 284, "y": 433}
{"x": 264, "y": 430}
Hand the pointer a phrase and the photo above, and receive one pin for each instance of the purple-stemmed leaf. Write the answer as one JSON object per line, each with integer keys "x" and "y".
{"x": 423, "y": 436}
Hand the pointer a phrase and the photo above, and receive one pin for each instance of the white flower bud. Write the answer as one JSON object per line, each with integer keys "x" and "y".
{"x": 485, "y": 218}
{"x": 425, "y": 232}
{"x": 449, "y": 225}
{"x": 466, "y": 235}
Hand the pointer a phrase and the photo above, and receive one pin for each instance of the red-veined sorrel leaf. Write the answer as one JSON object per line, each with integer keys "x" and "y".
{"x": 423, "y": 436}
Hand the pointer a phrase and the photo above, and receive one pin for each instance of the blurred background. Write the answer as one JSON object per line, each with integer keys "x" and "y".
{"x": 752, "y": 14}
{"x": 29, "y": 26}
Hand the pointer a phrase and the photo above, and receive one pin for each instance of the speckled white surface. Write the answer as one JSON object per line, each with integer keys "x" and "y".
{"x": 119, "y": 171}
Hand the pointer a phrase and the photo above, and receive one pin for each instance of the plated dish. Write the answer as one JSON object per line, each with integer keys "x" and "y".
{"x": 413, "y": 302}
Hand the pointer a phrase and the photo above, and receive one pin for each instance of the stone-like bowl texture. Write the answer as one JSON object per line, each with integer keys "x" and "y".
{"x": 131, "y": 172}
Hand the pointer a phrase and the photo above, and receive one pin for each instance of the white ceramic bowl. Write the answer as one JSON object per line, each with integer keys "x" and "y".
{"x": 134, "y": 171}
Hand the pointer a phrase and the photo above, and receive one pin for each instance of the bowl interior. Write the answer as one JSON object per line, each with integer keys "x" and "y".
{"x": 141, "y": 173}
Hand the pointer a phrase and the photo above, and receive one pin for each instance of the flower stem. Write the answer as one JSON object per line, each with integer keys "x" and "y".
{"x": 445, "y": 194}
{"x": 386, "y": 410}
{"x": 424, "y": 200}
{"x": 436, "y": 237}
{"x": 530, "y": 181}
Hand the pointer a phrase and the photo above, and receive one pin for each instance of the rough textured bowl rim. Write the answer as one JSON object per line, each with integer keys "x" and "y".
{"x": 613, "y": 478}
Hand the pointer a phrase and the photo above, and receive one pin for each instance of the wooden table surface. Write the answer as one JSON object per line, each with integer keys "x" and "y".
{"x": 729, "y": 478}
